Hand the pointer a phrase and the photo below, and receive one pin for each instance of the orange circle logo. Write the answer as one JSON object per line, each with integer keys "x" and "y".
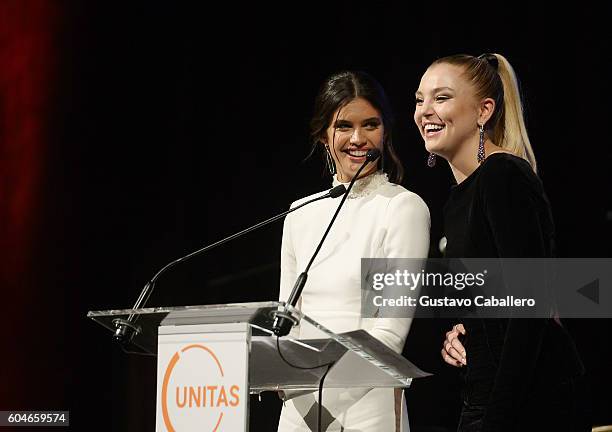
{"x": 203, "y": 395}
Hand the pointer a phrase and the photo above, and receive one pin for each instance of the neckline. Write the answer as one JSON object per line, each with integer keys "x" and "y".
{"x": 366, "y": 185}
{"x": 474, "y": 174}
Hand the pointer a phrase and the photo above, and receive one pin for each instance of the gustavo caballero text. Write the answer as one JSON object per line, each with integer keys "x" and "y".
{"x": 479, "y": 300}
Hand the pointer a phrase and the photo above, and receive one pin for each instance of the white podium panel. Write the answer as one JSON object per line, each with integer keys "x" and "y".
{"x": 202, "y": 378}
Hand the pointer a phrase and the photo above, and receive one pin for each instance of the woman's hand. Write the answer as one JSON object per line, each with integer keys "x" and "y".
{"x": 453, "y": 351}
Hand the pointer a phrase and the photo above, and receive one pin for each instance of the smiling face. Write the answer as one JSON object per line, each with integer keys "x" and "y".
{"x": 447, "y": 110}
{"x": 356, "y": 128}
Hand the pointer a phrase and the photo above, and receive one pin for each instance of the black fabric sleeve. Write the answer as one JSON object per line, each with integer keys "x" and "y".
{"x": 512, "y": 202}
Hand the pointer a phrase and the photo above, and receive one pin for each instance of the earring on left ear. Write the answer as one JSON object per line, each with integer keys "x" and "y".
{"x": 481, "y": 150}
{"x": 331, "y": 166}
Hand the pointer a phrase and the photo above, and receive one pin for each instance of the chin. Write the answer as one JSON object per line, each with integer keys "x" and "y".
{"x": 433, "y": 147}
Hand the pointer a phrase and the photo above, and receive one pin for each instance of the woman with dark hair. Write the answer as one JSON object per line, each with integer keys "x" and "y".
{"x": 379, "y": 219}
{"x": 520, "y": 374}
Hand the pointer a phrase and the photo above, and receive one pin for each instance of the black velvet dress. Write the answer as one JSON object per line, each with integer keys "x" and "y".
{"x": 521, "y": 374}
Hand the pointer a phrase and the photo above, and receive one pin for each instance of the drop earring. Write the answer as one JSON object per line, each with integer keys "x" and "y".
{"x": 480, "y": 157}
{"x": 331, "y": 166}
{"x": 431, "y": 160}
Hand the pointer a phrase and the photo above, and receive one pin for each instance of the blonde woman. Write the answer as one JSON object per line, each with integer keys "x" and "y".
{"x": 519, "y": 374}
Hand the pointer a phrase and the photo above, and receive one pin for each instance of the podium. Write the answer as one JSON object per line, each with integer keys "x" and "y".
{"x": 210, "y": 358}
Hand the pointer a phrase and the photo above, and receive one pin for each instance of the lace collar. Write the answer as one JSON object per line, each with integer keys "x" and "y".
{"x": 365, "y": 185}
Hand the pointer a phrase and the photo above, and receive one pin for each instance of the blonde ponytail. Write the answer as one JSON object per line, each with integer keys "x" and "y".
{"x": 514, "y": 136}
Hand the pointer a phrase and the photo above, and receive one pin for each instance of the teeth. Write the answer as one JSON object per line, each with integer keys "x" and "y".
{"x": 433, "y": 127}
{"x": 357, "y": 153}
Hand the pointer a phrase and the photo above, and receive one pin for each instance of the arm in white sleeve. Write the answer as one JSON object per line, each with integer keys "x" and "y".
{"x": 407, "y": 225}
{"x": 288, "y": 269}
{"x": 287, "y": 262}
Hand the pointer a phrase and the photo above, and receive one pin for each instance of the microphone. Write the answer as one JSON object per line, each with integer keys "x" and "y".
{"x": 283, "y": 320}
{"x": 126, "y": 329}
{"x": 371, "y": 156}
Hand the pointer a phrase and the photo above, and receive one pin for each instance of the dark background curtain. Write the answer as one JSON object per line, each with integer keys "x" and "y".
{"x": 134, "y": 132}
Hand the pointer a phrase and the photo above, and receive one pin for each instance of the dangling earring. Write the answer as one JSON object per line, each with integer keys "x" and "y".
{"x": 331, "y": 166}
{"x": 431, "y": 160}
{"x": 481, "y": 150}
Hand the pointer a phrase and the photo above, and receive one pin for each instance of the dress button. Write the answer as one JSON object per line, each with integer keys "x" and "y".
{"x": 442, "y": 245}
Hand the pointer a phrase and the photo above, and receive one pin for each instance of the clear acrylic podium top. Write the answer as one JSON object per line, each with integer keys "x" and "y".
{"x": 360, "y": 360}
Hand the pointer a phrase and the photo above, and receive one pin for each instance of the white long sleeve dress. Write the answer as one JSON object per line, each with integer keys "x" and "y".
{"x": 378, "y": 220}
